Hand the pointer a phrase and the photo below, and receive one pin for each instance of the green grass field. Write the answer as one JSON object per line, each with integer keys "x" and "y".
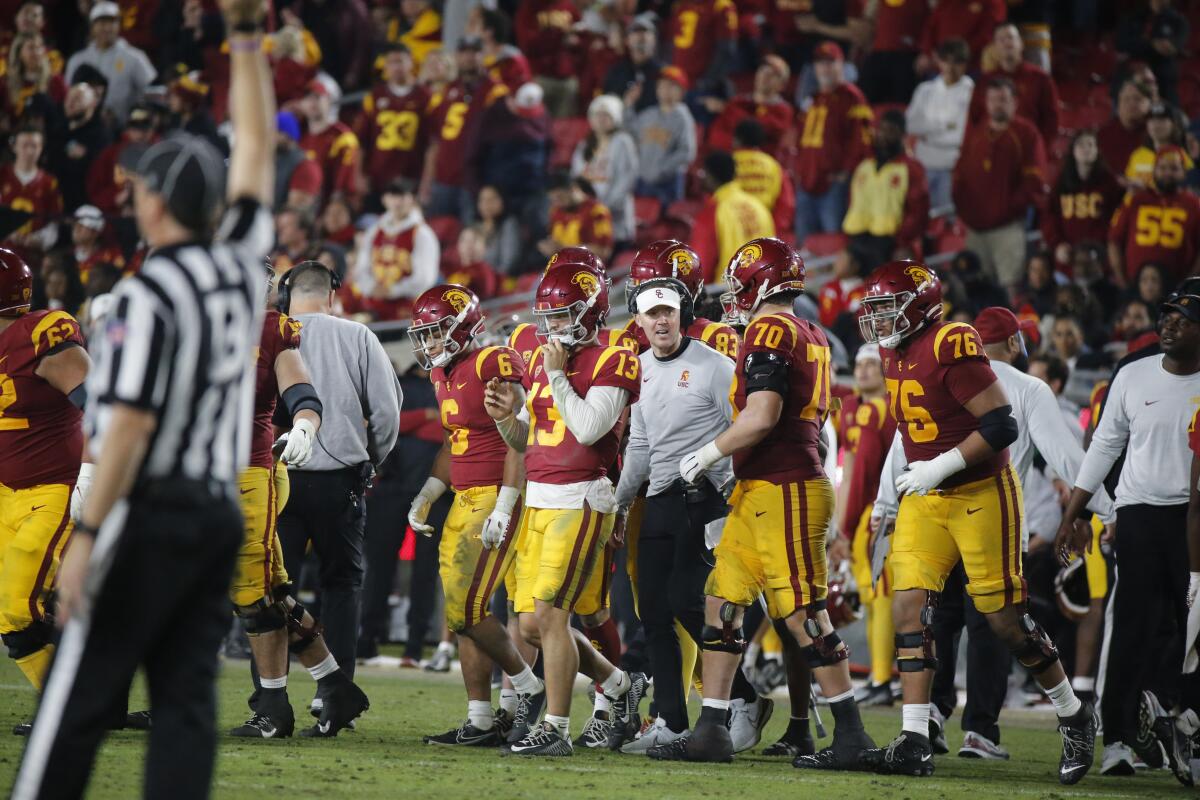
{"x": 385, "y": 758}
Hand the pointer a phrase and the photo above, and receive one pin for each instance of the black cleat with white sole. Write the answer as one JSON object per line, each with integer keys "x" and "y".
{"x": 344, "y": 703}
{"x": 791, "y": 747}
{"x": 676, "y": 750}
{"x": 907, "y": 754}
{"x": 624, "y": 716}
{"x": 467, "y": 735}
{"x": 529, "y": 708}
{"x": 1079, "y": 745}
{"x": 542, "y": 740}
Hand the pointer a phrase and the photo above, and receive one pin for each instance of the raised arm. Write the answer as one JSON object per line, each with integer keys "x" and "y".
{"x": 251, "y": 103}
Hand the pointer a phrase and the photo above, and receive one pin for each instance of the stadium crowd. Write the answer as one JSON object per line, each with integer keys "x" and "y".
{"x": 1043, "y": 167}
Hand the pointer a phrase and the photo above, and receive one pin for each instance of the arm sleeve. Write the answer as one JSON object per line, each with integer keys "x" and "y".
{"x": 1049, "y": 433}
{"x": 587, "y": 418}
{"x": 635, "y": 468}
{"x": 249, "y": 225}
{"x": 383, "y": 398}
{"x": 515, "y": 430}
{"x": 1108, "y": 441}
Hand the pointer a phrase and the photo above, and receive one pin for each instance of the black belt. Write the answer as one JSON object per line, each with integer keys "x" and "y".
{"x": 181, "y": 491}
{"x": 702, "y": 492}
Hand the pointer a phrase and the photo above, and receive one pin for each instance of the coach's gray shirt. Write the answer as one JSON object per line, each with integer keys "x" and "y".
{"x": 359, "y": 392}
{"x": 684, "y": 404}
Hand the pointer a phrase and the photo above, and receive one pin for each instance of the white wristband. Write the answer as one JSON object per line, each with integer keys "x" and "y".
{"x": 433, "y": 489}
{"x": 710, "y": 454}
{"x": 506, "y": 500}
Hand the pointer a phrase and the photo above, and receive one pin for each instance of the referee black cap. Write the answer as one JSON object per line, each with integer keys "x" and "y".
{"x": 187, "y": 171}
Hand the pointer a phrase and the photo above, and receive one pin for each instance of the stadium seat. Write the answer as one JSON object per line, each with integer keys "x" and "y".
{"x": 646, "y": 210}
{"x": 446, "y": 229}
{"x": 952, "y": 238}
{"x": 566, "y": 134}
{"x": 685, "y": 210}
{"x": 824, "y": 244}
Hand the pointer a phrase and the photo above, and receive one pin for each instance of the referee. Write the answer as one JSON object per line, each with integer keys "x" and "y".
{"x": 145, "y": 577}
{"x": 361, "y": 396}
{"x": 684, "y": 403}
{"x": 1147, "y": 404}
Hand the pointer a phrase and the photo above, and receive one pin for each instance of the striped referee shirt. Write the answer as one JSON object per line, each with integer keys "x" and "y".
{"x": 180, "y": 342}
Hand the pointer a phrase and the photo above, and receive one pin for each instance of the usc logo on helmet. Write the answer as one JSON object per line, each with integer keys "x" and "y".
{"x": 749, "y": 254}
{"x": 457, "y": 298}
{"x": 682, "y": 262}
{"x": 586, "y": 281}
{"x": 920, "y": 276}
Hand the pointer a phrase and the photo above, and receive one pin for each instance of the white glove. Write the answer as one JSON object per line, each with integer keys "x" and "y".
{"x": 921, "y": 477}
{"x": 495, "y": 527}
{"x": 693, "y": 465}
{"x": 298, "y": 449}
{"x": 1193, "y": 587}
{"x": 79, "y": 493}
{"x": 419, "y": 510}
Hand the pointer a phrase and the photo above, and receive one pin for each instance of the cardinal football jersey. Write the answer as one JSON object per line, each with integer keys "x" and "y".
{"x": 789, "y": 452}
{"x": 717, "y": 335}
{"x": 929, "y": 383}
{"x": 280, "y": 332}
{"x": 552, "y": 453}
{"x": 41, "y": 431}
{"x": 477, "y": 451}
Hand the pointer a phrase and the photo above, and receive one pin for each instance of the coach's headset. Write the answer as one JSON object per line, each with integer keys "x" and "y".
{"x": 687, "y": 311}
{"x": 283, "y": 292}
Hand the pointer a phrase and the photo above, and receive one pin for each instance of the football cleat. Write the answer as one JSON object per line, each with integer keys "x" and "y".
{"x": 674, "y": 750}
{"x": 976, "y": 745}
{"x": 1079, "y": 745}
{"x": 138, "y": 720}
{"x": 504, "y": 723}
{"x": 542, "y": 740}
{"x": 595, "y": 732}
{"x": 343, "y": 704}
{"x": 1177, "y": 743}
{"x": 845, "y": 753}
{"x": 22, "y": 729}
{"x": 656, "y": 735}
{"x": 529, "y": 708}
{"x": 1144, "y": 742}
{"x": 626, "y": 721}
{"x": 467, "y": 735}
{"x": 791, "y": 747}
{"x": 747, "y": 720}
{"x": 262, "y": 726}
{"x": 937, "y": 731}
{"x": 710, "y": 741}
{"x": 907, "y": 754}
{"x": 874, "y": 694}
{"x": 440, "y": 661}
{"x": 1117, "y": 759}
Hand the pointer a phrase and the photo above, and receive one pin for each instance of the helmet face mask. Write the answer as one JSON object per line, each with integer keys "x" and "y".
{"x": 432, "y": 344}
{"x": 563, "y": 325}
{"x": 732, "y": 312}
{"x": 759, "y": 270}
{"x": 903, "y": 298}
{"x": 439, "y": 332}
{"x": 883, "y": 321}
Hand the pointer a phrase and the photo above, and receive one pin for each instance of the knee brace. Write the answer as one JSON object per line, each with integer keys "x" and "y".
{"x": 922, "y": 639}
{"x": 28, "y": 640}
{"x": 1037, "y": 653}
{"x": 826, "y": 649}
{"x": 262, "y": 617}
{"x": 296, "y": 627}
{"x": 725, "y": 639}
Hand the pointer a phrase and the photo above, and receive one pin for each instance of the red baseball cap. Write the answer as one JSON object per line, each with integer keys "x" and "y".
{"x": 828, "y": 51}
{"x": 1169, "y": 151}
{"x": 996, "y": 323}
{"x": 676, "y": 75}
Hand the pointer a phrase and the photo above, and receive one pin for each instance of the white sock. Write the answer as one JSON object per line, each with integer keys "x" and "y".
{"x": 479, "y": 714}
{"x": 445, "y": 647}
{"x": 603, "y": 704}
{"x": 713, "y": 702}
{"x": 273, "y": 683}
{"x": 846, "y": 695}
{"x": 562, "y": 725}
{"x": 1066, "y": 704}
{"x": 615, "y": 684}
{"x": 508, "y": 700}
{"x": 326, "y": 667}
{"x": 525, "y": 682}
{"x": 1083, "y": 683}
{"x": 916, "y": 718}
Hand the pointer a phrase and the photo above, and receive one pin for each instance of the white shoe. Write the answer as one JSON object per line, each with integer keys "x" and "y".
{"x": 1117, "y": 759}
{"x": 978, "y": 746}
{"x": 747, "y": 720}
{"x": 657, "y": 734}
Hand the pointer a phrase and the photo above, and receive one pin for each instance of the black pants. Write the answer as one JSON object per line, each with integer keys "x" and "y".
{"x": 162, "y": 605}
{"x": 673, "y": 564}
{"x": 888, "y": 76}
{"x": 423, "y": 585}
{"x": 1152, "y": 579}
{"x": 988, "y": 659}
{"x": 327, "y": 509}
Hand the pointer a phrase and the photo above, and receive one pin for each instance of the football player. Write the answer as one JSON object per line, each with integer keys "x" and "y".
{"x": 670, "y": 258}
{"x": 43, "y": 365}
{"x": 261, "y": 592}
{"x": 960, "y": 500}
{"x": 476, "y": 549}
{"x": 577, "y": 394}
{"x": 782, "y": 505}
{"x": 869, "y": 431}
{"x": 592, "y": 608}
